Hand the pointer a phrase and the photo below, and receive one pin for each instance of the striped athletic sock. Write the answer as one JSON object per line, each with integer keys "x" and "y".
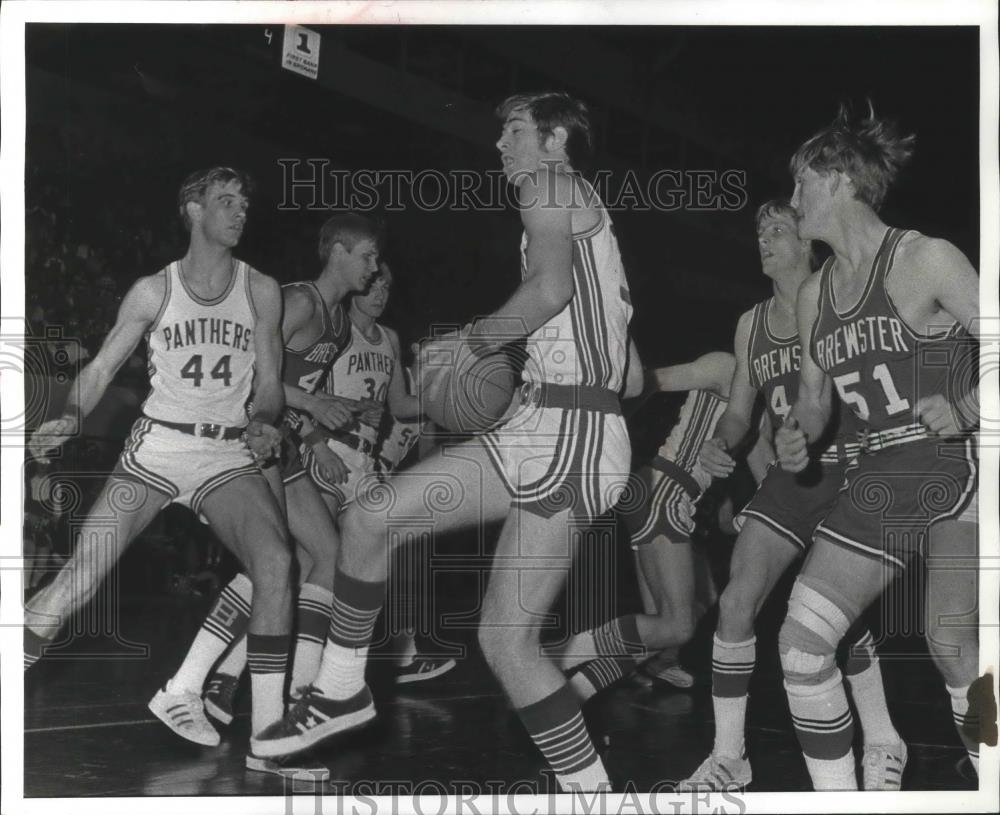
{"x": 228, "y": 620}
{"x": 34, "y": 645}
{"x": 555, "y": 724}
{"x": 967, "y": 721}
{"x": 825, "y": 730}
{"x": 356, "y": 606}
{"x": 267, "y": 656}
{"x": 732, "y": 667}
{"x": 864, "y": 676}
{"x": 599, "y": 674}
{"x": 313, "y": 609}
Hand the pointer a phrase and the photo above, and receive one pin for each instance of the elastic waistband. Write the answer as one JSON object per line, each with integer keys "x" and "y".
{"x": 875, "y": 440}
{"x": 570, "y": 397}
{"x": 673, "y": 470}
{"x": 203, "y": 430}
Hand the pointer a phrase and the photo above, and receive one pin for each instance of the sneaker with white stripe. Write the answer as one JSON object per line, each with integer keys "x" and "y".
{"x": 312, "y": 719}
{"x": 882, "y": 766}
{"x": 184, "y": 713}
{"x": 287, "y": 767}
{"x": 718, "y": 774}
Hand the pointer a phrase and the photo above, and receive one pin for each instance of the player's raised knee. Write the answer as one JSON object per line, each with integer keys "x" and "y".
{"x": 809, "y": 637}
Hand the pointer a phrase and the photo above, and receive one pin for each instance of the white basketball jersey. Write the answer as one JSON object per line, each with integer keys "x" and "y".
{"x": 363, "y": 372}
{"x": 696, "y": 423}
{"x": 401, "y": 436}
{"x": 587, "y": 342}
{"x": 201, "y": 353}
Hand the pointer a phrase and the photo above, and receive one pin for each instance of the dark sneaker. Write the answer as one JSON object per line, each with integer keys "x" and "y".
{"x": 219, "y": 697}
{"x": 422, "y": 669}
{"x": 312, "y": 719}
{"x": 287, "y": 767}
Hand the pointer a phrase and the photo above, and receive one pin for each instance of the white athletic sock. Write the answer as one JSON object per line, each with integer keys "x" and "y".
{"x": 825, "y": 730}
{"x": 235, "y": 660}
{"x": 268, "y": 694}
{"x": 732, "y": 667}
{"x": 968, "y": 726}
{"x": 868, "y": 694}
{"x": 227, "y": 618}
{"x": 592, "y": 778}
{"x": 341, "y": 671}
{"x": 313, "y": 609}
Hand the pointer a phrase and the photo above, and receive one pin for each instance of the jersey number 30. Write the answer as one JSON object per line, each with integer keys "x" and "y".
{"x": 192, "y": 370}
{"x": 894, "y": 403}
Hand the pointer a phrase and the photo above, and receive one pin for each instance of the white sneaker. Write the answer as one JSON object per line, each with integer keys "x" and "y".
{"x": 184, "y": 713}
{"x": 718, "y": 774}
{"x": 882, "y": 766}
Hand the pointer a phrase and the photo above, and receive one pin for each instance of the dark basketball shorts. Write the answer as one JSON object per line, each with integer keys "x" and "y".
{"x": 892, "y": 496}
{"x": 793, "y": 504}
{"x": 658, "y": 503}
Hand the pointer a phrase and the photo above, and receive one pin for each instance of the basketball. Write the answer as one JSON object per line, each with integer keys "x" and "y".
{"x": 462, "y": 392}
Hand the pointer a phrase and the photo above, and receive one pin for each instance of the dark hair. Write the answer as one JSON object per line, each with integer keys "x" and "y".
{"x": 550, "y": 110}
{"x": 781, "y": 206}
{"x": 871, "y": 151}
{"x": 346, "y": 229}
{"x": 196, "y": 185}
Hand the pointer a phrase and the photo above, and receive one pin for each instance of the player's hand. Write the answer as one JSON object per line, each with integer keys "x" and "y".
{"x": 791, "y": 446}
{"x": 264, "y": 440}
{"x": 50, "y": 436}
{"x": 371, "y": 414}
{"x": 331, "y": 466}
{"x": 715, "y": 460}
{"x": 937, "y": 415}
{"x": 335, "y": 412}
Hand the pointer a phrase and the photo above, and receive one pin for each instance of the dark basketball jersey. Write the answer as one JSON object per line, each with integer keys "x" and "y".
{"x": 774, "y": 364}
{"x": 879, "y": 365}
{"x": 309, "y": 367}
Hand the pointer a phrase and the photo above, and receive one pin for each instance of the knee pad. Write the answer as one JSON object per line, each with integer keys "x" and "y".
{"x": 811, "y": 632}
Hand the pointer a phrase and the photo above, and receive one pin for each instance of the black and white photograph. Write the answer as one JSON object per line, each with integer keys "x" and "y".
{"x": 465, "y": 407}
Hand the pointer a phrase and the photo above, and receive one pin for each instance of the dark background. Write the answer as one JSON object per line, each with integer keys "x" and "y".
{"x": 117, "y": 115}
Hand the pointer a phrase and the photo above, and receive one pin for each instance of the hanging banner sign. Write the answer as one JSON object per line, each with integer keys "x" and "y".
{"x": 300, "y": 51}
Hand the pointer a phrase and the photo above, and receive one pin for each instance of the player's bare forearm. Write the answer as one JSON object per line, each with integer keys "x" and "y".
{"x": 812, "y": 415}
{"x": 268, "y": 402}
{"x": 404, "y": 408}
{"x": 535, "y": 302}
{"x": 732, "y": 429}
{"x": 297, "y": 398}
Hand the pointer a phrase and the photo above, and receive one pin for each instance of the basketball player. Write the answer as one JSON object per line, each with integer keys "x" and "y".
{"x": 316, "y": 330}
{"x": 211, "y": 322}
{"x": 779, "y": 520}
{"x": 559, "y": 461}
{"x": 659, "y": 510}
{"x": 885, "y": 322}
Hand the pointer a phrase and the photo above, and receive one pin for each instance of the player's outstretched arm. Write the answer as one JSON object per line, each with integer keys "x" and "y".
{"x": 548, "y": 285}
{"x": 136, "y": 313}
{"x": 734, "y": 424}
{"x": 810, "y": 414}
{"x": 712, "y": 371}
